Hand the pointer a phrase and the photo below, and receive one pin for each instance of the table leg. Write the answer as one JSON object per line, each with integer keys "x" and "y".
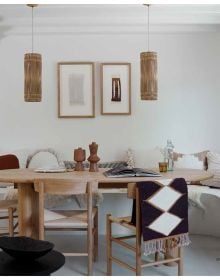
{"x": 28, "y": 211}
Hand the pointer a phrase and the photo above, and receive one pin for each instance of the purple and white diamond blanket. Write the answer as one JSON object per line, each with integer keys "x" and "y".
{"x": 164, "y": 214}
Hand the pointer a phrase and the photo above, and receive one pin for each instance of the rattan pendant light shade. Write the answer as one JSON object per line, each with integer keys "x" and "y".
{"x": 148, "y": 75}
{"x": 148, "y": 82}
{"x": 32, "y": 81}
{"x": 32, "y": 73}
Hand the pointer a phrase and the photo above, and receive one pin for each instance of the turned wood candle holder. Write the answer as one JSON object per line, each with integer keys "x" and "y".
{"x": 93, "y": 158}
{"x": 79, "y": 157}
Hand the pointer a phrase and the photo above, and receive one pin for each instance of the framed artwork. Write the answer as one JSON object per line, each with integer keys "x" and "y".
{"x": 76, "y": 90}
{"x": 115, "y": 88}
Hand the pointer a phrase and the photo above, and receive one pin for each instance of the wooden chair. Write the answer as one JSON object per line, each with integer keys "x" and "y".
{"x": 8, "y": 207}
{"x": 125, "y": 222}
{"x": 74, "y": 220}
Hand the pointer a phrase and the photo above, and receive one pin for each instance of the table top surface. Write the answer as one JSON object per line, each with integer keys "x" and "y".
{"x": 29, "y": 176}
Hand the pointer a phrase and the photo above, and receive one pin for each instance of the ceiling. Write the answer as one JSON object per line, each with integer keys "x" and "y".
{"x": 66, "y": 19}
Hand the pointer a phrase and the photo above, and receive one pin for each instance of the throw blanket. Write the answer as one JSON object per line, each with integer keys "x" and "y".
{"x": 164, "y": 214}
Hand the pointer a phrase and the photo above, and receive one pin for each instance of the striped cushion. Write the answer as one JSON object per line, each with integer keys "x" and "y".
{"x": 109, "y": 164}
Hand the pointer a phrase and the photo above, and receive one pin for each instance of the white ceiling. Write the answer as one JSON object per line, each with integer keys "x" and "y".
{"x": 64, "y": 19}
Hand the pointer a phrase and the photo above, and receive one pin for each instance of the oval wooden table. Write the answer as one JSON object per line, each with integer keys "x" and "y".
{"x": 28, "y": 201}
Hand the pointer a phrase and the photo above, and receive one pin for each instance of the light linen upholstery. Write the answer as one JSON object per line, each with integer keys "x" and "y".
{"x": 213, "y": 159}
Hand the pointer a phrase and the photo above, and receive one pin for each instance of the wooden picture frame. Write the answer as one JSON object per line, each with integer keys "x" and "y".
{"x": 76, "y": 90}
{"x": 116, "y": 88}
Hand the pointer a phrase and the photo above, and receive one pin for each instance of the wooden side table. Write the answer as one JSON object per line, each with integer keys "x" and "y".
{"x": 43, "y": 266}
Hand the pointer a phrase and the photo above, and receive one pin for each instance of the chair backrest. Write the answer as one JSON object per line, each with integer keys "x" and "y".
{"x": 160, "y": 215}
{"x": 64, "y": 186}
{"x": 9, "y": 162}
{"x": 131, "y": 190}
{"x": 161, "y": 197}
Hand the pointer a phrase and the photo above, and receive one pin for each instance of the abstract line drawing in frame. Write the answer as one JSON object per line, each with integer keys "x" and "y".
{"x": 116, "y": 88}
{"x": 76, "y": 90}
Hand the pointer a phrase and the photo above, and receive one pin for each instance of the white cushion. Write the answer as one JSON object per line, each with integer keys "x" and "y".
{"x": 195, "y": 191}
{"x": 204, "y": 203}
{"x": 43, "y": 159}
{"x": 214, "y": 167}
{"x": 213, "y": 160}
{"x": 189, "y": 161}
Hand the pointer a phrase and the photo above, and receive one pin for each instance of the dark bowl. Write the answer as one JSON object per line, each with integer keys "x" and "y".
{"x": 25, "y": 248}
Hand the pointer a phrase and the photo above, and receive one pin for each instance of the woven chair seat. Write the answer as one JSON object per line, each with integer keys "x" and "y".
{"x": 66, "y": 218}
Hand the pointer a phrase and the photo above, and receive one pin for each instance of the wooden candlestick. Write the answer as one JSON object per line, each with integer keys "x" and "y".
{"x": 79, "y": 157}
{"x": 93, "y": 158}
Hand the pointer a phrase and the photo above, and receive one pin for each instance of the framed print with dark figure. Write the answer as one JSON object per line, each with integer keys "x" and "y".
{"x": 116, "y": 88}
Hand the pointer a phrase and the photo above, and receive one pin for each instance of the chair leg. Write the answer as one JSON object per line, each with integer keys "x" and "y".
{"x": 156, "y": 257}
{"x": 90, "y": 252}
{"x": 138, "y": 235}
{"x": 109, "y": 244}
{"x": 96, "y": 236}
{"x": 180, "y": 263}
{"x": 10, "y": 222}
{"x": 138, "y": 254}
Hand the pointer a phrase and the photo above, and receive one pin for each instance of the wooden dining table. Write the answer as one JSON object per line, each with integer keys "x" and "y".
{"x": 28, "y": 201}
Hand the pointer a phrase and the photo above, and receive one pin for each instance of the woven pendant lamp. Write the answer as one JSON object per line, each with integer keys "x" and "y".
{"x": 32, "y": 71}
{"x": 148, "y": 62}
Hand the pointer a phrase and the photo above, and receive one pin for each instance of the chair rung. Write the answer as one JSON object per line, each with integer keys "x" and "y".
{"x": 75, "y": 254}
{"x": 65, "y": 229}
{"x": 125, "y": 237}
{"x": 160, "y": 262}
{"x": 6, "y": 217}
{"x": 124, "y": 244}
{"x": 113, "y": 190}
{"x": 122, "y": 263}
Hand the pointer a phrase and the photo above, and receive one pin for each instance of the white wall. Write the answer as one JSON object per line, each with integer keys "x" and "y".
{"x": 187, "y": 110}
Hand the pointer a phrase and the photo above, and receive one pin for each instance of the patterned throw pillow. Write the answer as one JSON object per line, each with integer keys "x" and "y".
{"x": 109, "y": 164}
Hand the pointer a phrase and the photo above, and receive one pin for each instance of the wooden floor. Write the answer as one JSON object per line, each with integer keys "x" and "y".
{"x": 202, "y": 257}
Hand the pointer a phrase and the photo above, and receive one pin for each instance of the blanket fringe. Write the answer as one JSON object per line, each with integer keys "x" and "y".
{"x": 161, "y": 245}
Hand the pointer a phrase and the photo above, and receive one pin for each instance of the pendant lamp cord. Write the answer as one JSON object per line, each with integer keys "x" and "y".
{"x": 32, "y": 29}
{"x": 148, "y": 24}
